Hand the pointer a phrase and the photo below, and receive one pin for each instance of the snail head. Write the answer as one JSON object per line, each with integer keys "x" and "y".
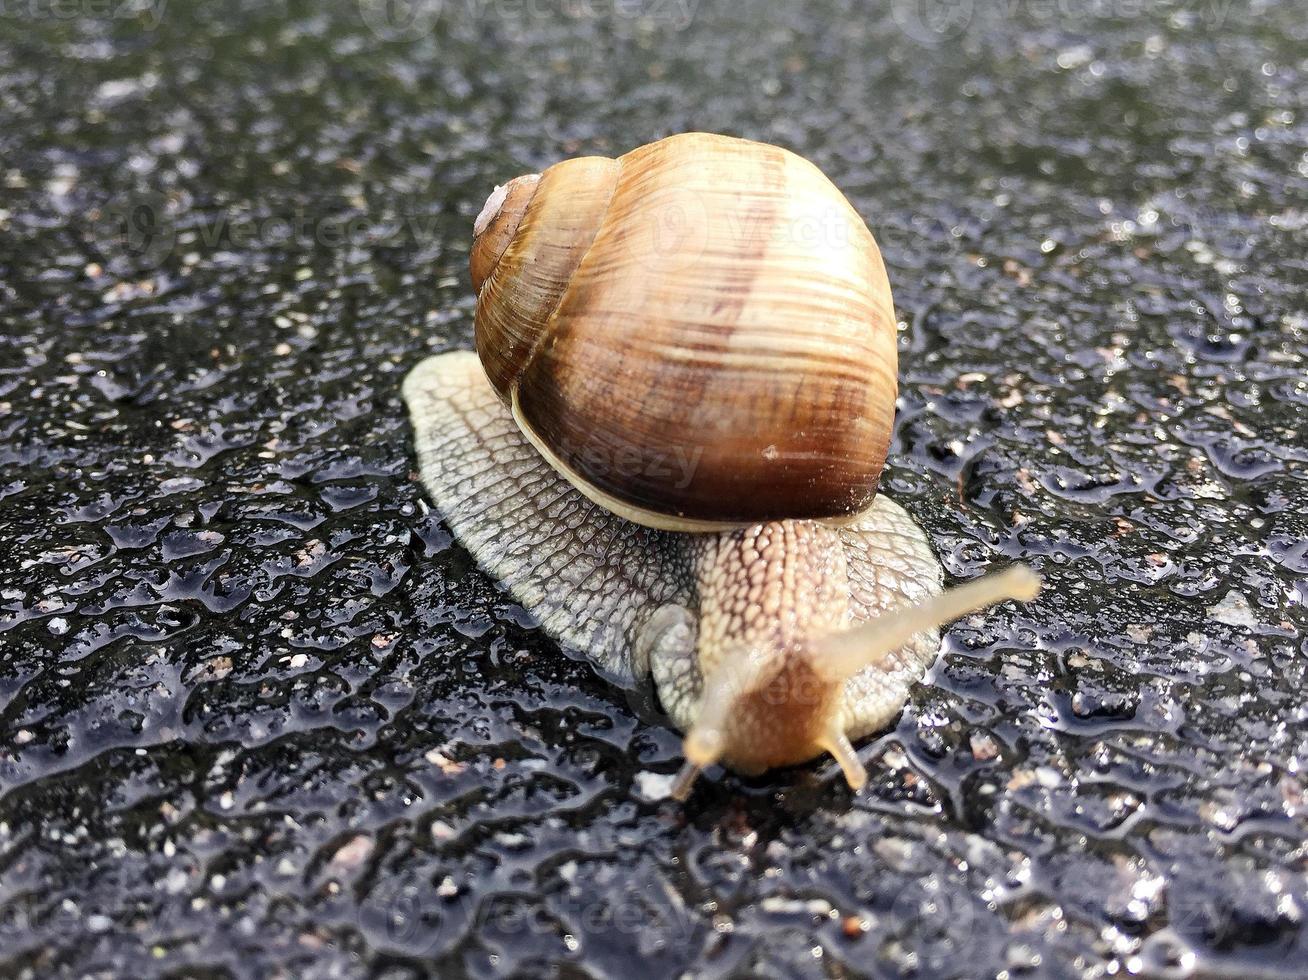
{"x": 769, "y": 704}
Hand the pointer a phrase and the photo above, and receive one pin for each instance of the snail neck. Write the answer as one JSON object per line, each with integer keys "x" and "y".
{"x": 767, "y": 593}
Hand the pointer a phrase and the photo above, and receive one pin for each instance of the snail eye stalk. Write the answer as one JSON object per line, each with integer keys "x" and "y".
{"x": 740, "y": 672}
{"x": 842, "y": 750}
{"x": 842, "y": 655}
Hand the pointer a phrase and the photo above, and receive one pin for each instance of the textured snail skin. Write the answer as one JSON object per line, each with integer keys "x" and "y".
{"x": 700, "y": 295}
{"x": 642, "y": 601}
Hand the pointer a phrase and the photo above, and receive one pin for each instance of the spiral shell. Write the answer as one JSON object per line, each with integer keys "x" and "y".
{"x": 698, "y": 334}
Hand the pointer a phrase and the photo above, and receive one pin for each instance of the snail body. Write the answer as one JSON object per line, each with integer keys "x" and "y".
{"x": 781, "y": 607}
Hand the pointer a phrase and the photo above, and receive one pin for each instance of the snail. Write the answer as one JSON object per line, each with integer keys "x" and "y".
{"x": 668, "y": 442}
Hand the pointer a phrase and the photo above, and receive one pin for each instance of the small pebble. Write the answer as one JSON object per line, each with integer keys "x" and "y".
{"x": 655, "y": 785}
{"x": 353, "y": 853}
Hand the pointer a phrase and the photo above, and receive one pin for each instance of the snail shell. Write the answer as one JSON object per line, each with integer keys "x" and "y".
{"x": 698, "y": 334}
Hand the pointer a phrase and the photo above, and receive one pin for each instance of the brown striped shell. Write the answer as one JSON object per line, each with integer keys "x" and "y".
{"x": 698, "y": 334}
